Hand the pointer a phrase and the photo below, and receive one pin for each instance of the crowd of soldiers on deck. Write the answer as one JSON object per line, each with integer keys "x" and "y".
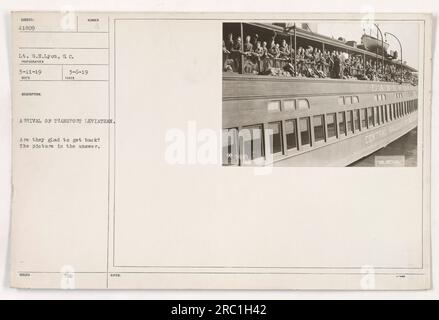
{"x": 277, "y": 58}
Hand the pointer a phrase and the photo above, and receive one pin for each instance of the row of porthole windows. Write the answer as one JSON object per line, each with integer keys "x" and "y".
{"x": 289, "y": 105}
{"x": 253, "y": 143}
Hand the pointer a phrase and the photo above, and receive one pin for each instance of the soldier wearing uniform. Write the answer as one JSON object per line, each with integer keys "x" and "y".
{"x": 255, "y": 40}
{"x": 249, "y": 62}
{"x": 336, "y": 68}
{"x": 300, "y": 58}
{"x": 229, "y": 42}
{"x": 266, "y": 55}
{"x": 277, "y": 51}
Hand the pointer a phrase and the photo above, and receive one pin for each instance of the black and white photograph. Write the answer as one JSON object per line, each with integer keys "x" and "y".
{"x": 320, "y": 93}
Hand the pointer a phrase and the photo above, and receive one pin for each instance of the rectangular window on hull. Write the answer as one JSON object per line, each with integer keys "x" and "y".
{"x": 302, "y": 104}
{"x": 319, "y": 128}
{"x": 305, "y": 132}
{"x": 252, "y": 142}
{"x": 274, "y": 137}
{"x": 342, "y": 123}
{"x": 291, "y": 133}
{"x": 230, "y": 147}
{"x": 370, "y": 117}
{"x": 341, "y": 100}
{"x": 331, "y": 125}
{"x": 363, "y": 118}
